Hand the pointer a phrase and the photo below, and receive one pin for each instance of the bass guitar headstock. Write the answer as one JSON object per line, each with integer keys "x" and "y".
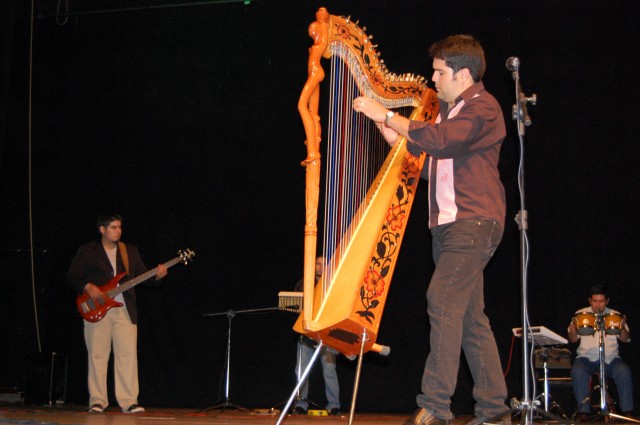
{"x": 186, "y": 255}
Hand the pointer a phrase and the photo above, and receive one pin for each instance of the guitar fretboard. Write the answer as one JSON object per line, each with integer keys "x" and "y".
{"x": 141, "y": 278}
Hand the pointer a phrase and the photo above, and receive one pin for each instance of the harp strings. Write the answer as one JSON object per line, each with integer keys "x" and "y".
{"x": 355, "y": 152}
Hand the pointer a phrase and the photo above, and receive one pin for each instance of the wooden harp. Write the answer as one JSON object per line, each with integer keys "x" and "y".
{"x": 367, "y": 201}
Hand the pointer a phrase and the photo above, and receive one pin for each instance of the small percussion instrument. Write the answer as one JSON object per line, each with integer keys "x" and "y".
{"x": 290, "y": 301}
{"x": 613, "y": 323}
{"x": 585, "y": 323}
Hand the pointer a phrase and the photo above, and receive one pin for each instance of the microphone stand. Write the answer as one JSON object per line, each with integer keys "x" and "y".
{"x": 230, "y": 315}
{"x": 519, "y": 111}
{"x": 526, "y": 407}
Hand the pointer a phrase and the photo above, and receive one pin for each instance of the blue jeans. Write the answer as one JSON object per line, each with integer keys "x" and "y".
{"x": 327, "y": 356}
{"x": 455, "y": 297}
{"x": 617, "y": 370}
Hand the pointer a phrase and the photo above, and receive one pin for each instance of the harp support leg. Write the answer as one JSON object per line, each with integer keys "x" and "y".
{"x": 304, "y": 375}
{"x": 357, "y": 380}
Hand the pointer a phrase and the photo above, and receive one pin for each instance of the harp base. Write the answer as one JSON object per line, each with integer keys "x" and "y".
{"x": 344, "y": 336}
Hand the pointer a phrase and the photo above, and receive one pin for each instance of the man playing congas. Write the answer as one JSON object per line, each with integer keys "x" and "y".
{"x": 585, "y": 327}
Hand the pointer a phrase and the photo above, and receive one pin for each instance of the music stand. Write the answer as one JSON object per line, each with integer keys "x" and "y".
{"x": 227, "y": 401}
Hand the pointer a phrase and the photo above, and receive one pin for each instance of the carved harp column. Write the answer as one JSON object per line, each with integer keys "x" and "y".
{"x": 368, "y": 187}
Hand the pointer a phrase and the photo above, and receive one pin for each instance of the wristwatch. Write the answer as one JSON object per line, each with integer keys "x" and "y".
{"x": 390, "y": 115}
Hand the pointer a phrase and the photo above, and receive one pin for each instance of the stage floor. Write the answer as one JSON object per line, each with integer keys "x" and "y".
{"x": 78, "y": 415}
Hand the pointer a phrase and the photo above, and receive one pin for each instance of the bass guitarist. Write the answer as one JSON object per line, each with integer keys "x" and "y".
{"x": 95, "y": 265}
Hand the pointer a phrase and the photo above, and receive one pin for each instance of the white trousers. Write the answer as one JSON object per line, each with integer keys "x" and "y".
{"x": 115, "y": 329}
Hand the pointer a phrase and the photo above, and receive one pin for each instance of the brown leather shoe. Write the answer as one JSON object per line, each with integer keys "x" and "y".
{"x": 423, "y": 417}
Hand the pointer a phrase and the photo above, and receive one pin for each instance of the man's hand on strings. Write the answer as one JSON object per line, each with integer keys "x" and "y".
{"x": 377, "y": 113}
{"x": 370, "y": 108}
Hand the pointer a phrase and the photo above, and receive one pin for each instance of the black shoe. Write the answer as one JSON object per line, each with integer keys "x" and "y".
{"x": 423, "y": 417}
{"x": 299, "y": 410}
{"x": 334, "y": 412}
{"x": 134, "y": 408}
{"x": 96, "y": 408}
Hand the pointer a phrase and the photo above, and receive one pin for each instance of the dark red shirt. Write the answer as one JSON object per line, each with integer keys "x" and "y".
{"x": 464, "y": 148}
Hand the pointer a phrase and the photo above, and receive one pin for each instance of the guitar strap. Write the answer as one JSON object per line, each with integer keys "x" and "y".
{"x": 125, "y": 257}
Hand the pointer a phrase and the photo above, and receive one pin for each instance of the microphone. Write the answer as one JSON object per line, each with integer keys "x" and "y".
{"x": 513, "y": 63}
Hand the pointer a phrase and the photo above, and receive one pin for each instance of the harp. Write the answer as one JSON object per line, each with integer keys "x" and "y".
{"x": 367, "y": 202}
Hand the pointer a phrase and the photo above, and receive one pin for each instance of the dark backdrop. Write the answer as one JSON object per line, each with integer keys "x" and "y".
{"x": 184, "y": 119}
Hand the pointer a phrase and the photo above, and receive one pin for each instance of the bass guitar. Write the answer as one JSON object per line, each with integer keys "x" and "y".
{"x": 93, "y": 310}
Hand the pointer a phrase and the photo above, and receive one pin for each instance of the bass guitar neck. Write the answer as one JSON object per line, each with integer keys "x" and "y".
{"x": 94, "y": 309}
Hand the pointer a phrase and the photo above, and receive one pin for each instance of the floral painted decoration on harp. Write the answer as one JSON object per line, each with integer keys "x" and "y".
{"x": 374, "y": 283}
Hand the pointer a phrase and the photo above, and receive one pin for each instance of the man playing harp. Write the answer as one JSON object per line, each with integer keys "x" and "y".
{"x": 466, "y": 217}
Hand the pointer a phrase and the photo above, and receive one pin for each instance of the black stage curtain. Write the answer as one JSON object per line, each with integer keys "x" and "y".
{"x": 184, "y": 118}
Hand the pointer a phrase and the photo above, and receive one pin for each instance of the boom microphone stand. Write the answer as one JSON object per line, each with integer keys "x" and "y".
{"x": 227, "y": 402}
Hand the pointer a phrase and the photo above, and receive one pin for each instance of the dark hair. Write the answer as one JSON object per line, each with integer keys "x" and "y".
{"x": 598, "y": 289}
{"x": 105, "y": 219}
{"x": 461, "y": 51}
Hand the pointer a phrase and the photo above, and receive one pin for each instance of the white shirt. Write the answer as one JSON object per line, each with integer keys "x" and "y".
{"x": 112, "y": 254}
{"x": 589, "y": 344}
